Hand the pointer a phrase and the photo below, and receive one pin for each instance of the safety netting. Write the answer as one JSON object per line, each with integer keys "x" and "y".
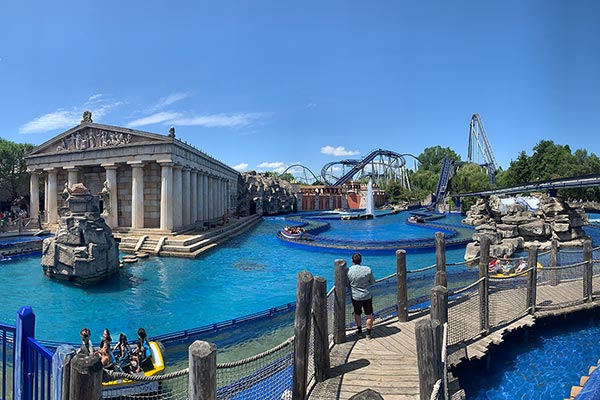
{"x": 507, "y": 299}
{"x": 464, "y": 314}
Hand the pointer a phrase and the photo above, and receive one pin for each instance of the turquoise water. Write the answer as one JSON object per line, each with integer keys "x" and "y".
{"x": 543, "y": 366}
{"x": 250, "y": 273}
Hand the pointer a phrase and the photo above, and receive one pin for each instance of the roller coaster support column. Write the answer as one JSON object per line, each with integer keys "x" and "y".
{"x": 532, "y": 278}
{"x": 587, "y": 270}
{"x": 484, "y": 284}
{"x": 339, "y": 302}
{"x": 440, "y": 259}
{"x": 302, "y": 334}
{"x": 402, "y": 285}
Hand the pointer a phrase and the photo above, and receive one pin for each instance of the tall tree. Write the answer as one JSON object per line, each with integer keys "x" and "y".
{"x": 14, "y": 180}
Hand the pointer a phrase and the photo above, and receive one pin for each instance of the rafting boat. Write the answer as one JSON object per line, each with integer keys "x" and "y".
{"x": 128, "y": 387}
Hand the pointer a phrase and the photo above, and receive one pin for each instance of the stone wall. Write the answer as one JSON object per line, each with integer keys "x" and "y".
{"x": 515, "y": 228}
{"x": 268, "y": 195}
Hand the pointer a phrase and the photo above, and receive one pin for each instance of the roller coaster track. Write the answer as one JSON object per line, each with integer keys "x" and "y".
{"x": 397, "y": 160}
{"x": 479, "y": 145}
{"x": 292, "y": 168}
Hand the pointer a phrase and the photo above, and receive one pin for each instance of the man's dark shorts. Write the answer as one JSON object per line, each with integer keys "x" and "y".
{"x": 366, "y": 305}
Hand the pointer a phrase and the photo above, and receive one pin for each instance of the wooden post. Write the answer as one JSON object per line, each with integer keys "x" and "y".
{"x": 339, "y": 302}
{"x": 302, "y": 334}
{"x": 440, "y": 278}
{"x": 440, "y": 254}
{"x": 86, "y": 378}
{"x": 66, "y": 377}
{"x": 402, "y": 285}
{"x": 202, "y": 382}
{"x": 588, "y": 272}
{"x": 321, "y": 334}
{"x": 429, "y": 356}
{"x": 439, "y": 304}
{"x": 484, "y": 285}
{"x": 532, "y": 278}
{"x": 554, "y": 263}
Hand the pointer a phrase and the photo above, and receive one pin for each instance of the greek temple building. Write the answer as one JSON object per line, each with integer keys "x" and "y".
{"x": 146, "y": 181}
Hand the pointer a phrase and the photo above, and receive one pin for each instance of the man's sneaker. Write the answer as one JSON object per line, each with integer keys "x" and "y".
{"x": 368, "y": 337}
{"x": 360, "y": 335}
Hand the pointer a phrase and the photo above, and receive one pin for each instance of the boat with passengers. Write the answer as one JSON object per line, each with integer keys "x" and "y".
{"x": 152, "y": 365}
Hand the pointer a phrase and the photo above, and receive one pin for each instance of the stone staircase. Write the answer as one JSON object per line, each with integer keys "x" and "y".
{"x": 186, "y": 246}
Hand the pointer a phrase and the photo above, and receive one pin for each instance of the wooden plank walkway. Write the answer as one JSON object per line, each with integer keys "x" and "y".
{"x": 386, "y": 364}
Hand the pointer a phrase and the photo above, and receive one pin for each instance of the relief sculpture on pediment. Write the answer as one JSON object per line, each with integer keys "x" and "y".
{"x": 92, "y": 138}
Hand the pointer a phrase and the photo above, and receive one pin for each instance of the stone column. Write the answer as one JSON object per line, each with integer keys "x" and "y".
{"x": 194, "y": 195}
{"x": 46, "y": 198}
{"x": 137, "y": 194}
{"x": 111, "y": 177}
{"x": 72, "y": 177}
{"x": 211, "y": 197}
{"x": 52, "y": 195}
{"x": 199, "y": 196}
{"x": 205, "y": 201}
{"x": 34, "y": 194}
{"x": 177, "y": 197}
{"x": 166, "y": 195}
{"x": 186, "y": 193}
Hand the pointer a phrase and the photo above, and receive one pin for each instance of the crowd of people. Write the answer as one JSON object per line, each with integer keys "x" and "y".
{"x": 506, "y": 266}
{"x": 9, "y": 216}
{"x": 294, "y": 230}
{"x": 121, "y": 357}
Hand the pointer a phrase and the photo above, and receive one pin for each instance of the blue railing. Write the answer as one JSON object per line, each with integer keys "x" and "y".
{"x": 7, "y": 359}
{"x": 39, "y": 360}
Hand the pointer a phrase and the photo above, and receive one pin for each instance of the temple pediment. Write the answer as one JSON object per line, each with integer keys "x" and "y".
{"x": 90, "y": 136}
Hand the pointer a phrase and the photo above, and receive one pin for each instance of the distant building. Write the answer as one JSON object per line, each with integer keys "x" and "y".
{"x": 146, "y": 181}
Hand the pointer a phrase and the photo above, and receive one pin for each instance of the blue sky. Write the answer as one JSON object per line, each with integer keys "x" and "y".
{"x": 266, "y": 84}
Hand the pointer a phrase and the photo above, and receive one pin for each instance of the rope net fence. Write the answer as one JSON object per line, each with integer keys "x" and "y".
{"x": 507, "y": 299}
{"x": 464, "y": 314}
{"x": 560, "y": 286}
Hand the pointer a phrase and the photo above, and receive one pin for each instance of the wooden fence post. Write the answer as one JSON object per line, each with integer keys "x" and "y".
{"x": 202, "y": 382}
{"x": 439, "y": 304}
{"x": 302, "y": 334}
{"x": 66, "y": 377}
{"x": 321, "y": 333}
{"x": 85, "y": 378}
{"x": 588, "y": 272}
{"x": 339, "y": 302}
{"x": 440, "y": 255}
{"x": 484, "y": 285}
{"x": 428, "y": 334}
{"x": 532, "y": 278}
{"x": 402, "y": 285}
{"x": 554, "y": 263}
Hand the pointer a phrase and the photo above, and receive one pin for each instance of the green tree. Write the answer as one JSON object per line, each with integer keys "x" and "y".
{"x": 14, "y": 180}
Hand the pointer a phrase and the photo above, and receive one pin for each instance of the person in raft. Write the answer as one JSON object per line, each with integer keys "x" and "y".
{"x": 360, "y": 279}
{"x": 86, "y": 346}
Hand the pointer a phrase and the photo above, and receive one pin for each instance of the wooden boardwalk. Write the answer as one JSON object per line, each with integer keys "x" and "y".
{"x": 386, "y": 364}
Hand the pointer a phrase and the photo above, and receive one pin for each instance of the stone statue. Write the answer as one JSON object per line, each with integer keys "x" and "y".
{"x": 172, "y": 132}
{"x": 87, "y": 117}
{"x": 105, "y": 196}
{"x": 66, "y": 192}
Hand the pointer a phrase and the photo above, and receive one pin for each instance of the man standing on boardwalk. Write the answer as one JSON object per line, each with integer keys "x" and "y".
{"x": 360, "y": 279}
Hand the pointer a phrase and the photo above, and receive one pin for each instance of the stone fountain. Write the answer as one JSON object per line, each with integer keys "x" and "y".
{"x": 83, "y": 249}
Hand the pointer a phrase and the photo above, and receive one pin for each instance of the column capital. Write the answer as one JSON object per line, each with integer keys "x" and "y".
{"x": 177, "y": 166}
{"x": 186, "y": 168}
{"x": 34, "y": 171}
{"x": 135, "y": 164}
{"x": 165, "y": 163}
{"x": 109, "y": 166}
{"x": 50, "y": 170}
{"x": 70, "y": 168}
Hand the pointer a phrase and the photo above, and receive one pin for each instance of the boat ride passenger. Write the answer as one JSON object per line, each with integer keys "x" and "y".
{"x": 124, "y": 359}
{"x": 143, "y": 350}
{"x": 86, "y": 345}
{"x": 495, "y": 267}
{"x": 106, "y": 356}
{"x": 522, "y": 266}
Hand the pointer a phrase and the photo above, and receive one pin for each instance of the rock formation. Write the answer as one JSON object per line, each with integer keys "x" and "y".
{"x": 83, "y": 250}
{"x": 514, "y": 226}
{"x": 265, "y": 195}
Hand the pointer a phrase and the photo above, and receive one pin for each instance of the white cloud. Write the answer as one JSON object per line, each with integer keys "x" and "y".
{"x": 170, "y": 99}
{"x": 240, "y": 167}
{"x": 219, "y": 120}
{"x": 339, "y": 151}
{"x": 51, "y": 121}
{"x": 311, "y": 105}
{"x": 69, "y": 117}
{"x": 165, "y": 116}
{"x": 272, "y": 165}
